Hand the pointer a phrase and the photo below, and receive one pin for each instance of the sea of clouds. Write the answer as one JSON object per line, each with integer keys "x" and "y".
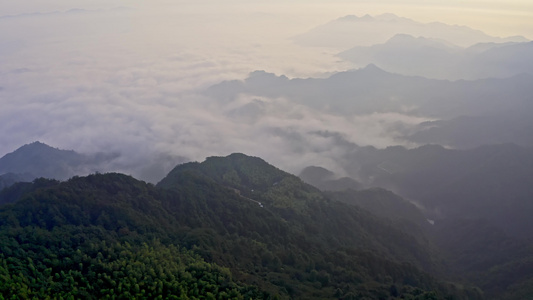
{"x": 128, "y": 79}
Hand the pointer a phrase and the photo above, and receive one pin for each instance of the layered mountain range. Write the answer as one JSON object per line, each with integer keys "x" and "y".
{"x": 367, "y": 30}
{"x": 431, "y": 58}
{"x": 463, "y": 114}
{"x": 446, "y": 216}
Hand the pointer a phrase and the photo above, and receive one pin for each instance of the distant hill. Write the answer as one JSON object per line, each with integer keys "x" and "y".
{"x": 378, "y": 201}
{"x": 474, "y": 248}
{"x": 11, "y": 178}
{"x": 326, "y": 180}
{"x": 372, "y": 90}
{"x": 490, "y": 182}
{"x": 469, "y": 132}
{"x": 502, "y": 265}
{"x": 419, "y": 56}
{"x": 382, "y": 203}
{"x": 350, "y": 31}
{"x": 37, "y": 159}
{"x": 40, "y": 160}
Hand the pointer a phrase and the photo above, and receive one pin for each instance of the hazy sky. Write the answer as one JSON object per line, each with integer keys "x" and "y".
{"x": 123, "y": 75}
{"x": 494, "y": 17}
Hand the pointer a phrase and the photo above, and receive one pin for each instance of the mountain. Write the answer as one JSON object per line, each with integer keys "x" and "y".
{"x": 99, "y": 236}
{"x": 37, "y": 159}
{"x": 11, "y": 178}
{"x": 487, "y": 183}
{"x": 350, "y": 31}
{"x": 431, "y": 58}
{"x": 40, "y": 160}
{"x": 477, "y": 244}
{"x": 227, "y": 227}
{"x": 504, "y": 60}
{"x": 371, "y": 90}
{"x": 498, "y": 263}
{"x": 326, "y": 180}
{"x": 382, "y": 203}
{"x": 469, "y": 132}
{"x": 378, "y": 201}
{"x": 16, "y": 190}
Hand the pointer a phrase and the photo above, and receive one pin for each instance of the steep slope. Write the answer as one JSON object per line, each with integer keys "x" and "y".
{"x": 488, "y": 257}
{"x": 299, "y": 205}
{"x": 314, "y": 228}
{"x": 490, "y": 182}
{"x": 378, "y": 201}
{"x": 253, "y": 179}
{"x": 382, "y": 203}
{"x": 472, "y": 241}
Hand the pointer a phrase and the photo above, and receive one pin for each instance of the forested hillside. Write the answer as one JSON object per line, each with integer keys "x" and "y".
{"x": 227, "y": 228}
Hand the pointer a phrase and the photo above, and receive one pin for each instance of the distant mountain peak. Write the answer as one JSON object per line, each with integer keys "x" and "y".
{"x": 238, "y": 155}
{"x": 351, "y": 30}
{"x": 390, "y": 17}
{"x": 386, "y": 17}
{"x": 35, "y": 148}
{"x": 348, "y": 18}
{"x": 367, "y": 17}
{"x": 42, "y": 160}
{"x": 373, "y": 69}
{"x": 264, "y": 74}
{"x": 315, "y": 173}
{"x": 237, "y": 159}
{"x": 35, "y": 145}
{"x": 404, "y": 37}
{"x": 250, "y": 177}
{"x": 326, "y": 180}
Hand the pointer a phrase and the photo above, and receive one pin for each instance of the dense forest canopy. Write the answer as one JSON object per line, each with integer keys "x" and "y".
{"x": 202, "y": 233}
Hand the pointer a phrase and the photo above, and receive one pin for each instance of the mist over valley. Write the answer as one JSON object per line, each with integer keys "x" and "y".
{"x": 247, "y": 150}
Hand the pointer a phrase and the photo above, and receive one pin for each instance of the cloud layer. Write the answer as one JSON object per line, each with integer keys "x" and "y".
{"x": 127, "y": 80}
{"x": 124, "y": 80}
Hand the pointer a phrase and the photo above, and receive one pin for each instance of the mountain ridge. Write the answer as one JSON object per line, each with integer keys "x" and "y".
{"x": 432, "y": 58}
{"x": 300, "y": 243}
{"x": 350, "y": 31}
{"x": 40, "y": 160}
{"x": 262, "y": 246}
{"x": 464, "y": 97}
